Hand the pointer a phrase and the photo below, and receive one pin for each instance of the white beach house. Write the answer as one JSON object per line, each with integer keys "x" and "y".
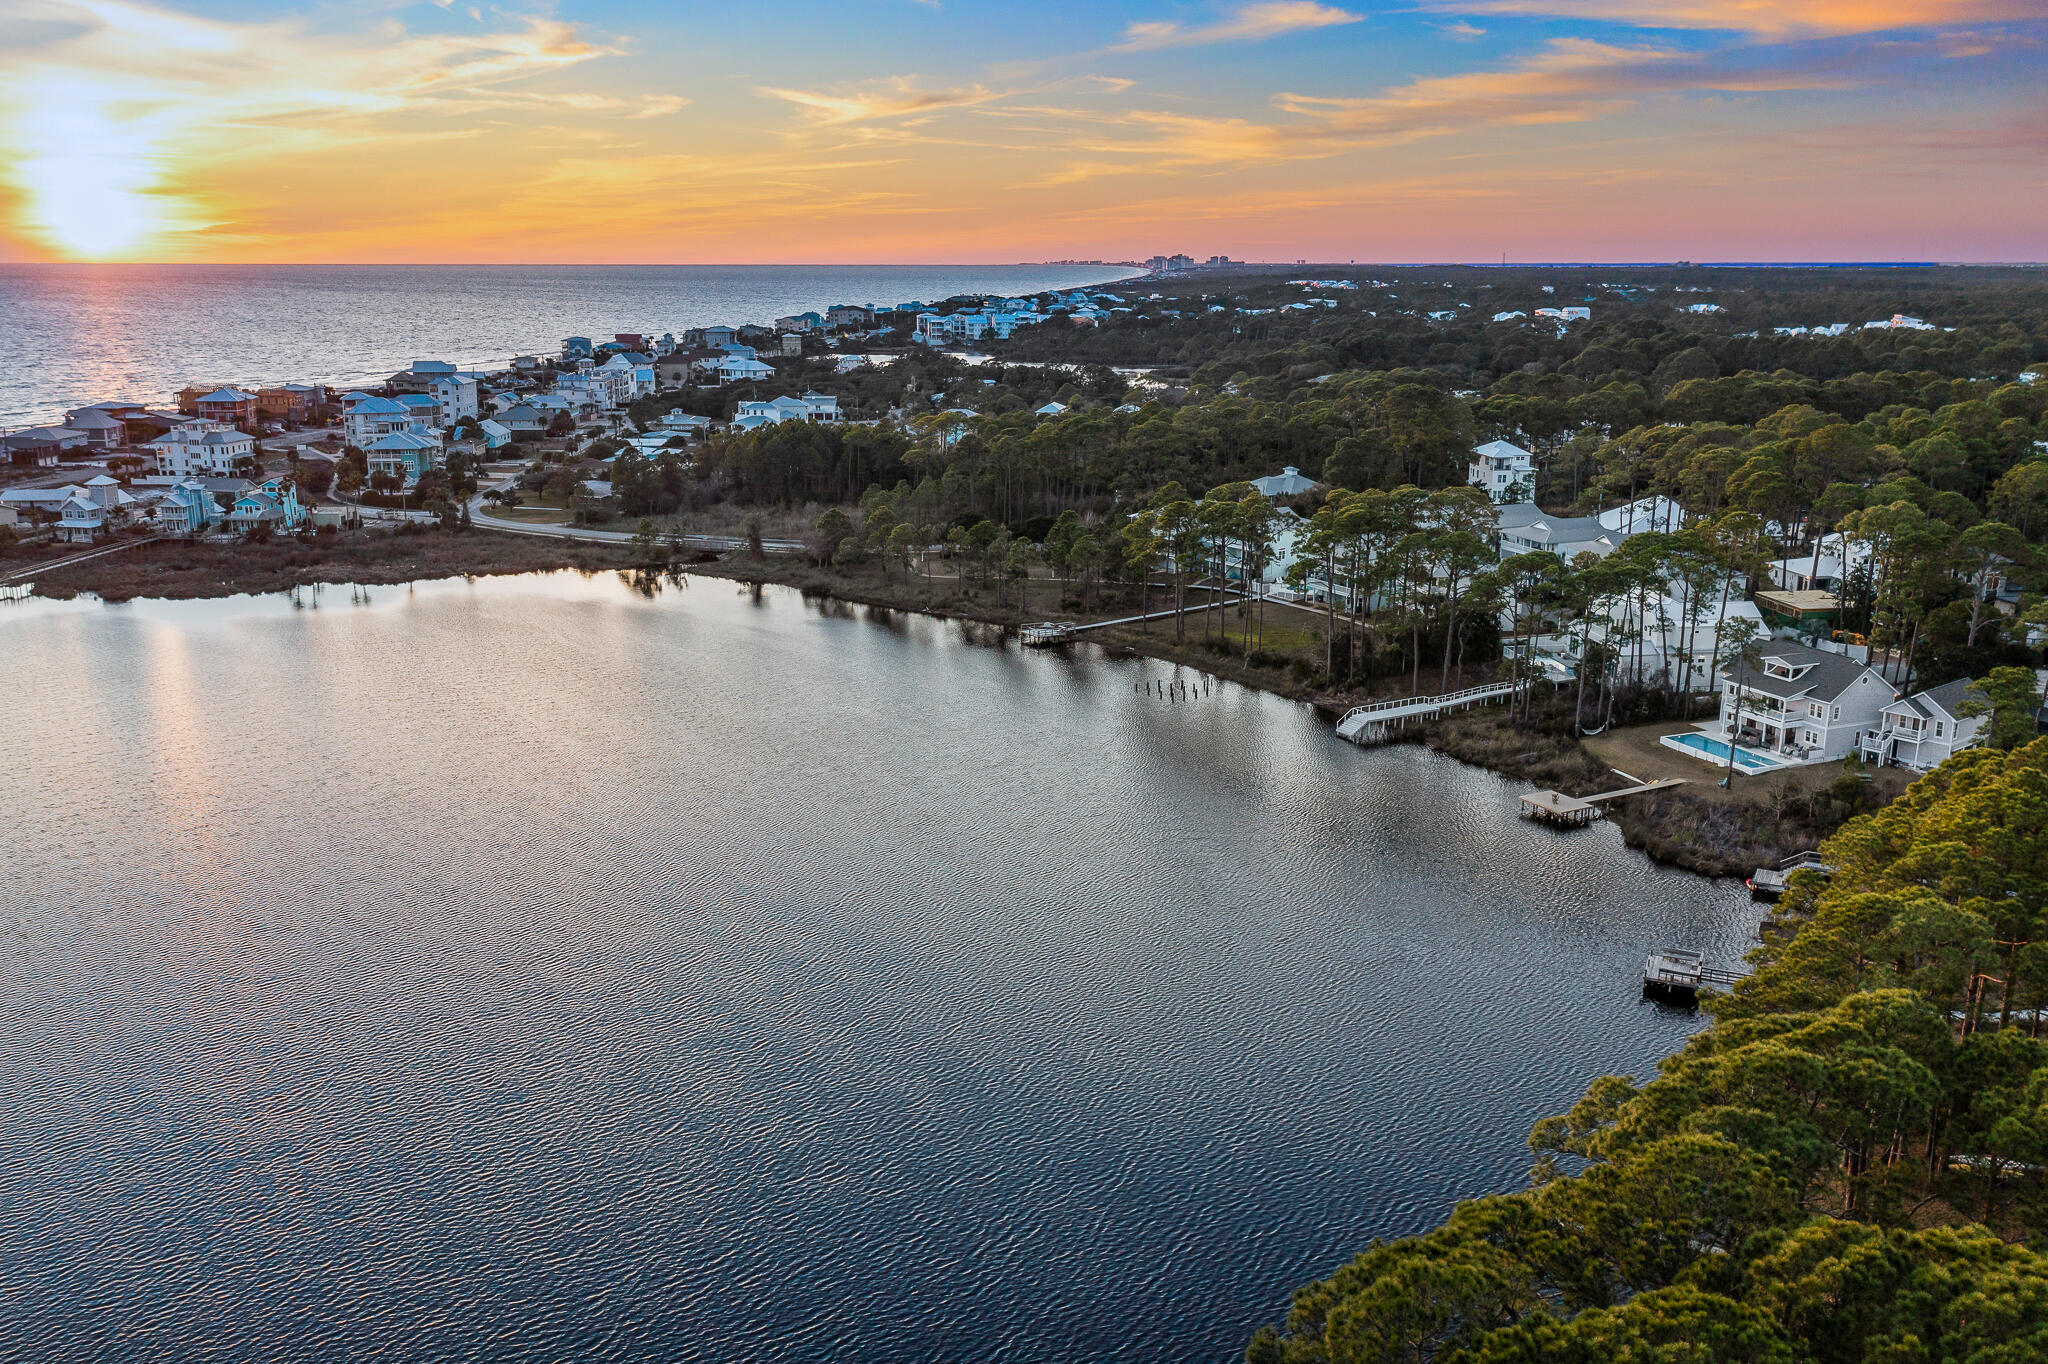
{"x": 1505, "y": 470}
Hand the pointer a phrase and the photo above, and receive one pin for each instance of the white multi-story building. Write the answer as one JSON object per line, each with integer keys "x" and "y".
{"x": 935, "y": 329}
{"x": 624, "y": 380}
{"x": 456, "y": 395}
{"x": 368, "y": 417}
{"x": 1505, "y": 470}
{"x": 812, "y": 407}
{"x": 201, "y": 449}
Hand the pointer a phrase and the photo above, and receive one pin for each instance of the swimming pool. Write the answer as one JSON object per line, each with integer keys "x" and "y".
{"x": 1716, "y": 750}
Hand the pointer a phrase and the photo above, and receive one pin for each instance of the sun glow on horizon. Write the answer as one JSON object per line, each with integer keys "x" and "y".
{"x": 164, "y": 130}
{"x": 87, "y": 178}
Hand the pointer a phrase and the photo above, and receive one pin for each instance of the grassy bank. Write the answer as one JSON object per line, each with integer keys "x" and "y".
{"x": 187, "y": 568}
{"x": 1701, "y": 826}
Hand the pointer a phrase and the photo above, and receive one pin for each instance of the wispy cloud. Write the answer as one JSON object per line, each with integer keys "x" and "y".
{"x": 1568, "y": 81}
{"x": 896, "y": 97}
{"x": 1763, "y": 18}
{"x": 1247, "y": 23}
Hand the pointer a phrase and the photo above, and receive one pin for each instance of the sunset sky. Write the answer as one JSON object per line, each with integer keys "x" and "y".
{"x": 949, "y": 131}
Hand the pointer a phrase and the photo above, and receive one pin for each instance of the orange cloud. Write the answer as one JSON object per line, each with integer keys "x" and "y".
{"x": 1247, "y": 24}
{"x": 111, "y": 122}
{"x": 1570, "y": 80}
{"x": 1764, "y": 18}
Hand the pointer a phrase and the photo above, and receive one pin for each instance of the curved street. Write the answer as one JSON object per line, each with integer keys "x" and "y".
{"x": 723, "y": 544}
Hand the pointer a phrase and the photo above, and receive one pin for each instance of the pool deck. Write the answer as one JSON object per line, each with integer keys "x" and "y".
{"x": 1639, "y": 752}
{"x": 1758, "y": 764}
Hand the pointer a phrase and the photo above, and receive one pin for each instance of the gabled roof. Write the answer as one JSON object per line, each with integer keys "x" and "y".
{"x": 39, "y": 496}
{"x": 1945, "y": 697}
{"x": 1825, "y": 676}
{"x": 1531, "y": 522}
{"x": 227, "y": 395}
{"x": 377, "y": 407}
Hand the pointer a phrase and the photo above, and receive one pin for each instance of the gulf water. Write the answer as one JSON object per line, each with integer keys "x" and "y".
{"x": 77, "y": 334}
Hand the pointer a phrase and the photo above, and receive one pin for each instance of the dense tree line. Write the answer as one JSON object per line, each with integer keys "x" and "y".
{"x": 1847, "y": 1166}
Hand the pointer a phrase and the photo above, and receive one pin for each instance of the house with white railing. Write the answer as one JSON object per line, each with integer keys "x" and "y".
{"x": 370, "y": 417}
{"x": 202, "y": 449}
{"x": 1800, "y": 705}
{"x": 812, "y": 407}
{"x": 1922, "y": 731}
{"x": 1505, "y": 470}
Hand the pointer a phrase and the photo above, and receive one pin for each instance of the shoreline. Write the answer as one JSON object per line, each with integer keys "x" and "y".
{"x": 1655, "y": 826}
{"x": 1664, "y": 827}
{"x": 54, "y": 414}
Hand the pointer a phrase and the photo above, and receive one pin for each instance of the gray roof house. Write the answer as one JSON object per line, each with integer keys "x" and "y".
{"x": 1802, "y": 705}
{"x": 1923, "y": 731}
{"x": 1524, "y": 527}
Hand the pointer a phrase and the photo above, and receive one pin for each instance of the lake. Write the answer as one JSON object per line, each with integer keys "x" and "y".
{"x": 533, "y": 967}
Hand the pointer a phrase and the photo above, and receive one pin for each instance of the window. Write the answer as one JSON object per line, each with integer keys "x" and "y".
{"x": 1838, "y": 712}
{"x": 1937, "y": 729}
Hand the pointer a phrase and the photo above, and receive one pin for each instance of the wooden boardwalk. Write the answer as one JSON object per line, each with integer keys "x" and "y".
{"x": 1376, "y": 721}
{"x": 1768, "y": 883}
{"x": 53, "y": 565}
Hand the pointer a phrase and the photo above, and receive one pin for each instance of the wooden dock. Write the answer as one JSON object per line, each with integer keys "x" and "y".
{"x": 1572, "y": 812}
{"x": 1768, "y": 883}
{"x": 1556, "y": 808}
{"x": 1048, "y": 634}
{"x": 1681, "y": 973}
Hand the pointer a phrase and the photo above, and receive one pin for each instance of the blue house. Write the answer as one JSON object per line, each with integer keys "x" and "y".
{"x": 187, "y": 508}
{"x": 576, "y": 347}
{"x": 274, "y": 503}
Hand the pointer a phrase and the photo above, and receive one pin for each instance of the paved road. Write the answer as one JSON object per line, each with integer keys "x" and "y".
{"x": 288, "y": 440}
{"x": 723, "y": 544}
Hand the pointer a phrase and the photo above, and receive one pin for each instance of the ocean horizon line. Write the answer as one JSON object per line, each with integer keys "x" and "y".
{"x": 1588, "y": 263}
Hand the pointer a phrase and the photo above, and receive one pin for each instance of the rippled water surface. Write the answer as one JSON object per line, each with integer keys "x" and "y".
{"x": 529, "y": 968}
